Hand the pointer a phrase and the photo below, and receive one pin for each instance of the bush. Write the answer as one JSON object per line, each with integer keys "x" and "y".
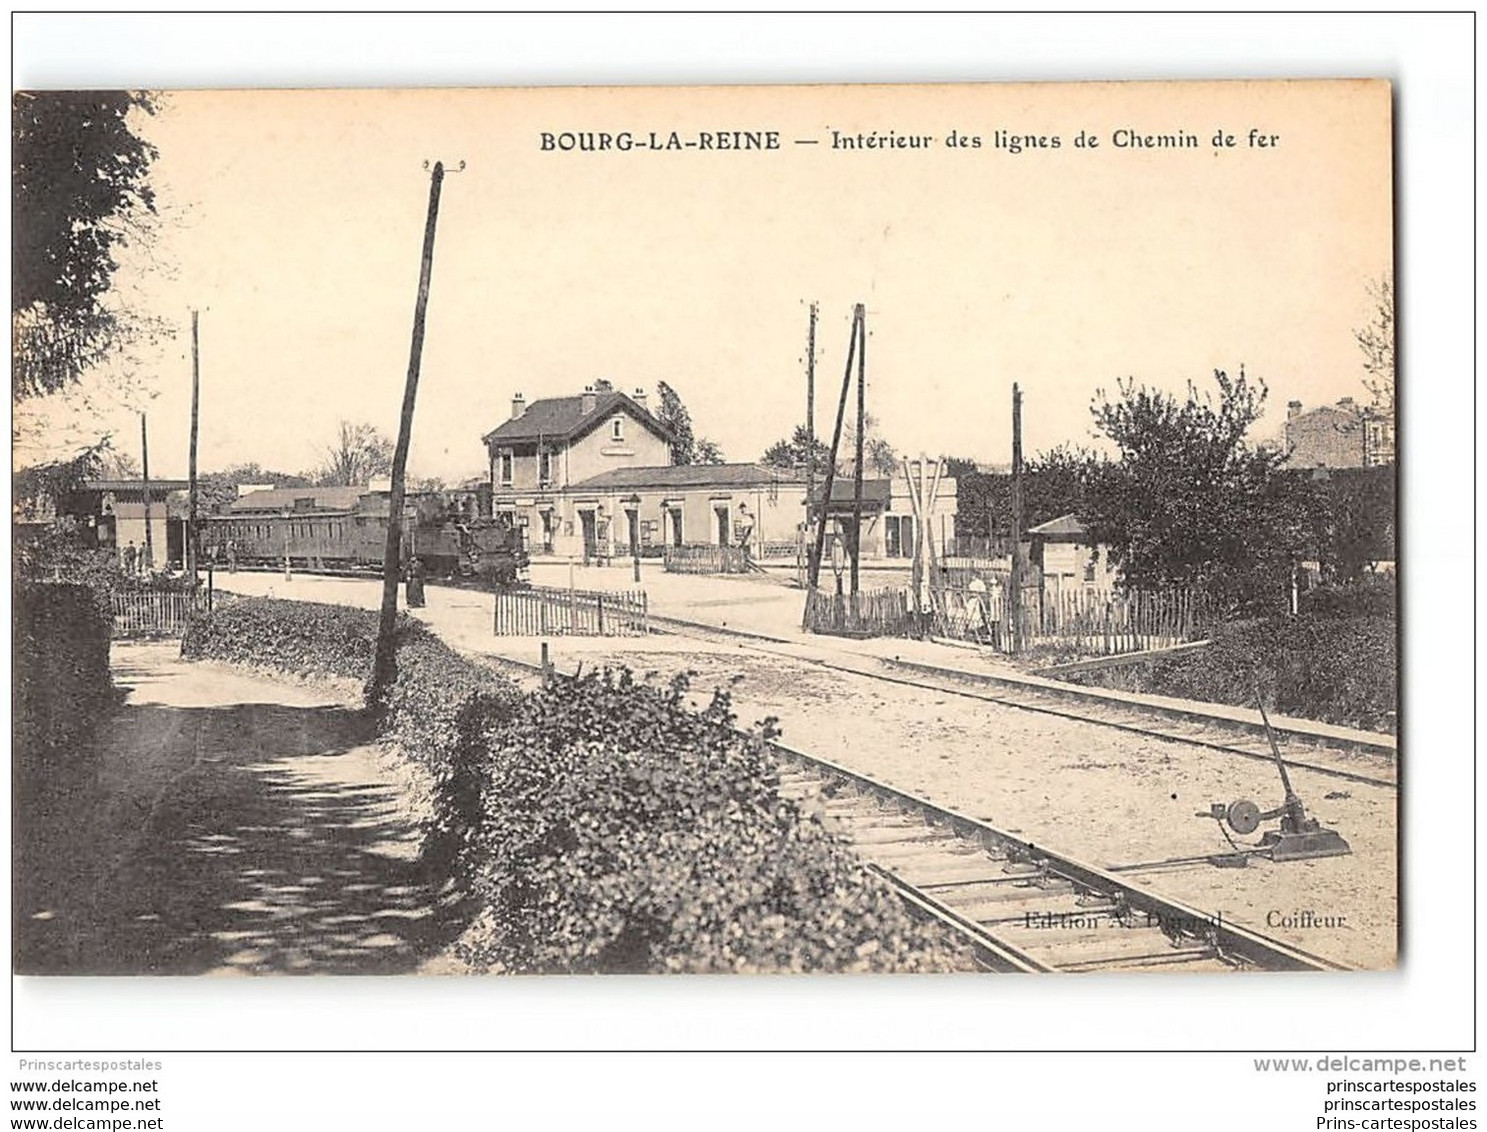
{"x": 302, "y": 637}
{"x": 617, "y": 831}
{"x": 1375, "y": 596}
{"x": 62, "y": 687}
{"x": 1329, "y": 667}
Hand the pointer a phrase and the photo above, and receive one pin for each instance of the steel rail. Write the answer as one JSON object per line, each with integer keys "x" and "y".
{"x": 1233, "y": 942}
{"x": 948, "y": 684}
{"x": 1236, "y": 945}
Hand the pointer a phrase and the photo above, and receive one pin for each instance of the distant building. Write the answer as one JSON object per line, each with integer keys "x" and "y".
{"x": 591, "y": 476}
{"x": 1344, "y": 435}
{"x": 648, "y": 508}
{"x": 549, "y": 445}
{"x": 115, "y": 508}
{"x": 1068, "y": 559}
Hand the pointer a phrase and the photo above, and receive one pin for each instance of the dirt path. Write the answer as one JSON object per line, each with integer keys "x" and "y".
{"x": 234, "y": 824}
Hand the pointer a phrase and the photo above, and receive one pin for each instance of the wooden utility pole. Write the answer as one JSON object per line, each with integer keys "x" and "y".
{"x": 191, "y": 495}
{"x": 1015, "y": 606}
{"x": 810, "y": 445}
{"x": 836, "y": 440}
{"x": 144, "y": 464}
{"x": 859, "y": 319}
{"x": 384, "y": 669}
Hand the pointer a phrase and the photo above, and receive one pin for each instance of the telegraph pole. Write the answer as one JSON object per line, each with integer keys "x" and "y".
{"x": 860, "y": 320}
{"x": 191, "y": 497}
{"x": 385, "y": 667}
{"x": 836, "y": 439}
{"x": 144, "y": 463}
{"x": 810, "y": 444}
{"x": 1015, "y": 608}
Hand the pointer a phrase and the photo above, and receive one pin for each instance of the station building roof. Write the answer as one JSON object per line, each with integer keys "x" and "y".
{"x": 689, "y": 475}
{"x": 564, "y": 419}
{"x": 1066, "y": 528}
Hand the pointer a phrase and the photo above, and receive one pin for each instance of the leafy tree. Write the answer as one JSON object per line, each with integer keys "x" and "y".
{"x": 117, "y": 465}
{"x": 1376, "y": 340}
{"x": 878, "y": 456}
{"x": 1054, "y": 483}
{"x": 215, "y": 490}
{"x": 80, "y": 191}
{"x": 798, "y": 453}
{"x": 359, "y": 453}
{"x": 1189, "y": 502}
{"x": 1353, "y": 519}
{"x": 43, "y": 489}
{"x": 673, "y": 414}
{"x": 707, "y": 452}
{"x": 686, "y": 446}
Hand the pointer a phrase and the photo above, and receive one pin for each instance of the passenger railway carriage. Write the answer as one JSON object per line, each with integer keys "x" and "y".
{"x": 344, "y": 530}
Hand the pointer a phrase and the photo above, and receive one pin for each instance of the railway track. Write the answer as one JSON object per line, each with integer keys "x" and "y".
{"x": 1355, "y": 758}
{"x": 1020, "y": 907}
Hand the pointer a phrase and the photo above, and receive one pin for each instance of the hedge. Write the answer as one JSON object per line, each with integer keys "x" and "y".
{"x": 598, "y": 824}
{"x": 1323, "y": 666}
{"x": 62, "y": 687}
{"x": 618, "y": 831}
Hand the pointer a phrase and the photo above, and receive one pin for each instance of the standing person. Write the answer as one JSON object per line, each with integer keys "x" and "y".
{"x": 995, "y": 601}
{"x": 415, "y": 583}
{"x": 131, "y": 559}
{"x": 745, "y": 532}
{"x": 232, "y": 557}
{"x": 976, "y": 622}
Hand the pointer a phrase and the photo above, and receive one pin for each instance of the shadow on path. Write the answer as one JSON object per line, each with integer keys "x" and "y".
{"x": 236, "y": 838}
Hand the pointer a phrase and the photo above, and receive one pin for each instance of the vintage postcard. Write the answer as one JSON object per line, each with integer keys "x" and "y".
{"x": 740, "y": 529}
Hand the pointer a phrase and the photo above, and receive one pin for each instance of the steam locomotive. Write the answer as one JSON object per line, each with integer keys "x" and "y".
{"x": 344, "y": 530}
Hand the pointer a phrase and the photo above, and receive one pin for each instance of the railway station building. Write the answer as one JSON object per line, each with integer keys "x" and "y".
{"x": 591, "y": 476}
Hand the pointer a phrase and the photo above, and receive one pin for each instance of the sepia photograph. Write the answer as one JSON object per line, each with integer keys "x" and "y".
{"x": 749, "y": 530}
{"x": 708, "y": 530}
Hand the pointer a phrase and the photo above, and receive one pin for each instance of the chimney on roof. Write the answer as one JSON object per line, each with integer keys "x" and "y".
{"x": 518, "y": 406}
{"x": 1347, "y": 403}
{"x": 604, "y": 385}
{"x": 1293, "y": 410}
{"x": 586, "y": 406}
{"x": 640, "y": 399}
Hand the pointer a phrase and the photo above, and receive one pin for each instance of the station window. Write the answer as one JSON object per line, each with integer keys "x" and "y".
{"x": 506, "y": 463}
{"x": 544, "y": 467}
{"x": 617, "y": 428}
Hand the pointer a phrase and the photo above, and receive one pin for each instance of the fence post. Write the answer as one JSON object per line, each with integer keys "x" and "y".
{"x": 601, "y": 615}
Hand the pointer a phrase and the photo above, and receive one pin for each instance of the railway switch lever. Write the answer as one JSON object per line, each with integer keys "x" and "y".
{"x": 1299, "y": 837}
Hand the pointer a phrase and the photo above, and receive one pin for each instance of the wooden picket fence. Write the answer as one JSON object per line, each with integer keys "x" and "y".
{"x": 706, "y": 559}
{"x": 869, "y": 613}
{"x": 152, "y": 613}
{"x": 1093, "y": 621}
{"x": 539, "y": 611}
{"x": 1108, "y": 623}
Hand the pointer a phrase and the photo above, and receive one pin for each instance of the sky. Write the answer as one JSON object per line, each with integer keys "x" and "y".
{"x": 293, "y": 220}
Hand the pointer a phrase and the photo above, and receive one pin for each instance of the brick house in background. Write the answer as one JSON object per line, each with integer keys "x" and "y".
{"x": 1344, "y": 435}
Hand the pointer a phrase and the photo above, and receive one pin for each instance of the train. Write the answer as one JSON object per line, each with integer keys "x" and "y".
{"x": 344, "y": 531}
